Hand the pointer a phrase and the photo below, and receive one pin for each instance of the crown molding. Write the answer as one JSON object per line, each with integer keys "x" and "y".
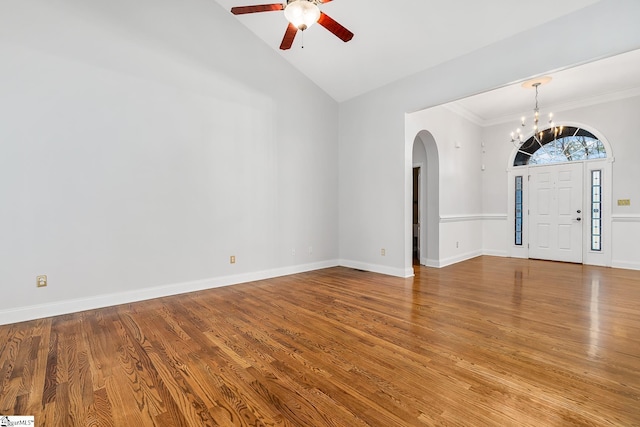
{"x": 464, "y": 113}
{"x": 572, "y": 105}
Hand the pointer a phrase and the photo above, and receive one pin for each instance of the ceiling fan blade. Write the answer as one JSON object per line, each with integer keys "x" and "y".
{"x": 289, "y": 35}
{"x": 241, "y": 10}
{"x": 330, "y": 24}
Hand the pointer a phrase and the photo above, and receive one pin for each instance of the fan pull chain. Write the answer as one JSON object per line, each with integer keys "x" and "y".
{"x": 302, "y": 38}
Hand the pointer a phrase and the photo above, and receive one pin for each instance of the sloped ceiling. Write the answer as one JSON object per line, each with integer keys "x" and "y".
{"x": 394, "y": 39}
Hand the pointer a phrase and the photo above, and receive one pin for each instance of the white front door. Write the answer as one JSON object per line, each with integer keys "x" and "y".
{"x": 555, "y": 217}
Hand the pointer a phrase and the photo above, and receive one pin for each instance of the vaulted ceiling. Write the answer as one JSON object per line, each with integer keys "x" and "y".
{"x": 394, "y": 39}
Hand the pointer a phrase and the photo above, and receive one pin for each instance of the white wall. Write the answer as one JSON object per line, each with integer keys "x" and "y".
{"x": 460, "y": 181}
{"x": 375, "y": 153}
{"x": 622, "y": 129}
{"x": 143, "y": 143}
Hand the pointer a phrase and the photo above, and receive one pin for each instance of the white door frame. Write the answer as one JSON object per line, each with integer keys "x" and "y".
{"x": 589, "y": 257}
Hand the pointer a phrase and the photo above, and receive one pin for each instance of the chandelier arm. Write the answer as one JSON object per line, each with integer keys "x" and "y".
{"x": 535, "y": 138}
{"x": 516, "y": 137}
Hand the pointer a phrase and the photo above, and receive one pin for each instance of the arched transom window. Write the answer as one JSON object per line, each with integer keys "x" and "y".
{"x": 558, "y": 145}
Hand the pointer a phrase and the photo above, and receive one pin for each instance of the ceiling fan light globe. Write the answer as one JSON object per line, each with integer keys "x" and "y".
{"x": 302, "y": 14}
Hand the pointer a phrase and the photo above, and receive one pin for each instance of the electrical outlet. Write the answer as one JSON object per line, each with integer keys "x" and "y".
{"x": 41, "y": 281}
{"x": 232, "y": 259}
{"x": 457, "y": 245}
{"x": 310, "y": 250}
{"x": 383, "y": 252}
{"x": 293, "y": 252}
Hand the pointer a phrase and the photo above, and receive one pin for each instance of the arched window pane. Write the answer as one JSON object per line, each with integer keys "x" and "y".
{"x": 558, "y": 145}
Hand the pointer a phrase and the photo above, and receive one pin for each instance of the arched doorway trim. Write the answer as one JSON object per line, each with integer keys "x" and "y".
{"x": 429, "y": 200}
{"x": 601, "y": 257}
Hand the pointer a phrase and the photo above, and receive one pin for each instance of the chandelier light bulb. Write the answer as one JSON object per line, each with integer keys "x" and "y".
{"x": 516, "y": 136}
{"x": 537, "y": 131}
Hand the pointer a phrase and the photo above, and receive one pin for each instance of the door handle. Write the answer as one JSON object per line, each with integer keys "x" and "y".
{"x": 579, "y": 211}
{"x": 578, "y": 219}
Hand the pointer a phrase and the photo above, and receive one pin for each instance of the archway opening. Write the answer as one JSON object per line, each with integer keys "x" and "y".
{"x": 426, "y": 233}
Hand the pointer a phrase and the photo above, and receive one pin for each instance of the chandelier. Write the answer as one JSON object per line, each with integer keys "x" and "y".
{"x": 517, "y": 135}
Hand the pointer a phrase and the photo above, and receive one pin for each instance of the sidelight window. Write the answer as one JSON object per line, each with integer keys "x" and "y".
{"x": 596, "y": 210}
{"x": 518, "y": 211}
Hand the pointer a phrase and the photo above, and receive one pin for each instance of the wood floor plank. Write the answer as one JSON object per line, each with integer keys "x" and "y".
{"x": 486, "y": 342}
{"x": 99, "y": 413}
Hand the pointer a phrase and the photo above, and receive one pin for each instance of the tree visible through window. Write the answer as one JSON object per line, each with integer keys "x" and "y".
{"x": 558, "y": 145}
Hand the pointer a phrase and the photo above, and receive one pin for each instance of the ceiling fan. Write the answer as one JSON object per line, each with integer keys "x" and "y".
{"x": 301, "y": 14}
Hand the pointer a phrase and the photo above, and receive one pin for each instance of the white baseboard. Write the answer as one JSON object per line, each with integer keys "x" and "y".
{"x": 626, "y": 265}
{"x": 428, "y": 262}
{"x": 22, "y": 314}
{"x": 375, "y": 268}
{"x": 459, "y": 258}
{"x": 503, "y": 254}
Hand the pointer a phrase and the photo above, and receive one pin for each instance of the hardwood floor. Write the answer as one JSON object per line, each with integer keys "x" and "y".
{"x": 487, "y": 342}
